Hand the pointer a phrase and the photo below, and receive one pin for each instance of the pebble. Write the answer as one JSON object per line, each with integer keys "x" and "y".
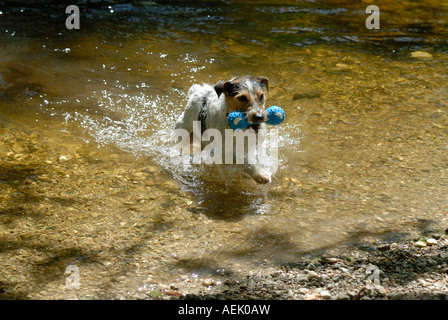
{"x": 342, "y": 66}
{"x": 333, "y": 260}
{"x": 422, "y": 282}
{"x": 381, "y": 290}
{"x": 421, "y": 55}
{"x": 150, "y": 169}
{"x": 312, "y": 275}
{"x": 303, "y": 290}
{"x": 431, "y": 242}
{"x": 309, "y": 297}
{"x": 342, "y": 296}
{"x": 325, "y": 294}
{"x": 419, "y": 244}
{"x": 394, "y": 296}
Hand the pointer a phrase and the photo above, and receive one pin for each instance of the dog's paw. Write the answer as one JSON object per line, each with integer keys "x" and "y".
{"x": 263, "y": 179}
{"x": 259, "y": 174}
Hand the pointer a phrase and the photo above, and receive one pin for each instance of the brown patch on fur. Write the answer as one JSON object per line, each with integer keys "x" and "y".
{"x": 246, "y": 94}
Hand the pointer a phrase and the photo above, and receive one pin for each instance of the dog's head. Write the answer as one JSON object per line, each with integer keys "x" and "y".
{"x": 246, "y": 94}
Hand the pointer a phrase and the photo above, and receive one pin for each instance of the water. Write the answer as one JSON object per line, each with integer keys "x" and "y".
{"x": 86, "y": 176}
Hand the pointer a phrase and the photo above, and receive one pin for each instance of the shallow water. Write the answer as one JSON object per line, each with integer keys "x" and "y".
{"x": 85, "y": 174}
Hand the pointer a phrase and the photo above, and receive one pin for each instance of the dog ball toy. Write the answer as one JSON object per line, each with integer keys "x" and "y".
{"x": 237, "y": 119}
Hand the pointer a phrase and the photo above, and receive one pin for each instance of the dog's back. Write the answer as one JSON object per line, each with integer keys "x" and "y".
{"x": 210, "y": 105}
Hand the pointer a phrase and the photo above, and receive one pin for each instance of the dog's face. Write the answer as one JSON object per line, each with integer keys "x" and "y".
{"x": 246, "y": 94}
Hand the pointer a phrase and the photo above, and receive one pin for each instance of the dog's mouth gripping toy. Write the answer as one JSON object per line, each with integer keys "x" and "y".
{"x": 237, "y": 119}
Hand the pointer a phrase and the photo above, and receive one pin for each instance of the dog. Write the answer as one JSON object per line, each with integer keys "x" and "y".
{"x": 211, "y": 104}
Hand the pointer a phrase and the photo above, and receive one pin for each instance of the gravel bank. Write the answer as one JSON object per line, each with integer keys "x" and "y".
{"x": 414, "y": 269}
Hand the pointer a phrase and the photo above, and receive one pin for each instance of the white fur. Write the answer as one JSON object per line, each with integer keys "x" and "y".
{"x": 216, "y": 118}
{"x": 216, "y": 113}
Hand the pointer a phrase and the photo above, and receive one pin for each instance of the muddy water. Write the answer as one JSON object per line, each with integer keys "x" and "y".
{"x": 85, "y": 173}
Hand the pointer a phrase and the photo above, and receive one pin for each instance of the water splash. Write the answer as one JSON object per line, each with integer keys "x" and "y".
{"x": 142, "y": 125}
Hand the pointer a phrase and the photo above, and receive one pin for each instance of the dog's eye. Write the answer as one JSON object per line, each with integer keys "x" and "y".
{"x": 262, "y": 97}
{"x": 242, "y": 98}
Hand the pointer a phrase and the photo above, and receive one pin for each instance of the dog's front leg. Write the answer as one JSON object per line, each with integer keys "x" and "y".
{"x": 257, "y": 173}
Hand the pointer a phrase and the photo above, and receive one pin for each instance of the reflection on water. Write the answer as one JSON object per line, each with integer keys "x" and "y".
{"x": 86, "y": 177}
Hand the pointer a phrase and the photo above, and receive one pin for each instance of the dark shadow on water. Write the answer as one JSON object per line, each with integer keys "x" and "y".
{"x": 230, "y": 202}
{"x": 53, "y": 267}
{"x": 232, "y": 206}
{"x": 7, "y": 294}
{"x": 220, "y": 192}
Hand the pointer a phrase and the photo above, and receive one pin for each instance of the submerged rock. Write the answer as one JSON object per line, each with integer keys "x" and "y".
{"x": 421, "y": 55}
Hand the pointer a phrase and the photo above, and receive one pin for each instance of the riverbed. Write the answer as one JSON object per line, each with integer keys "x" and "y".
{"x": 85, "y": 172}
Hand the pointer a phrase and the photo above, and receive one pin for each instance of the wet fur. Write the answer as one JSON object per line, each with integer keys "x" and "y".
{"x": 211, "y": 105}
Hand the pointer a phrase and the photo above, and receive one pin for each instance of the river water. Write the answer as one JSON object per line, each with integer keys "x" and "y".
{"x": 85, "y": 172}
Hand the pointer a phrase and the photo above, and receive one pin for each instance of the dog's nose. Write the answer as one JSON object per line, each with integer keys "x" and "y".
{"x": 258, "y": 117}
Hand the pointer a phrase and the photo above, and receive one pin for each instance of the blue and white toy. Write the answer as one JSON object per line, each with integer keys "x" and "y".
{"x": 237, "y": 119}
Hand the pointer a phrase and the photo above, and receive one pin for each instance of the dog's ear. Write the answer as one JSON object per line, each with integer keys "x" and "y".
{"x": 264, "y": 82}
{"x": 223, "y": 86}
{"x": 219, "y": 87}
